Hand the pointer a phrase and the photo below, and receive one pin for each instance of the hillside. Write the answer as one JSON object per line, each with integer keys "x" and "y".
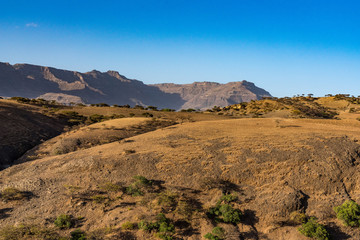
{"x": 22, "y": 128}
{"x": 113, "y": 178}
{"x": 273, "y": 167}
{"x": 110, "y": 87}
{"x": 27, "y": 123}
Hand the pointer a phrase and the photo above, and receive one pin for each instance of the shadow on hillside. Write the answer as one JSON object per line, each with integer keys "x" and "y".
{"x": 336, "y": 233}
{"x": 23, "y": 130}
{"x": 4, "y": 213}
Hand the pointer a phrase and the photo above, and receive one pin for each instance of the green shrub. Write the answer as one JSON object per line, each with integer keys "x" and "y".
{"x": 162, "y": 226}
{"x": 134, "y": 191}
{"x": 218, "y": 233}
{"x": 225, "y": 213}
{"x": 228, "y": 198}
{"x": 127, "y": 226}
{"x": 73, "y": 117}
{"x": 349, "y": 213}
{"x": 142, "y": 180}
{"x": 12, "y": 194}
{"x": 77, "y": 235}
{"x": 111, "y": 187}
{"x": 137, "y": 188}
{"x": 167, "y": 199}
{"x": 147, "y": 226}
{"x": 96, "y": 118}
{"x": 64, "y": 221}
{"x": 313, "y": 229}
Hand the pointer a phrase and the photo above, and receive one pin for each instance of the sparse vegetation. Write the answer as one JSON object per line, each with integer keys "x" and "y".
{"x": 138, "y": 187}
{"x": 163, "y": 227}
{"x": 111, "y": 187}
{"x": 349, "y": 213}
{"x": 218, "y": 233}
{"x": 297, "y": 218}
{"x": 100, "y": 199}
{"x": 315, "y": 230}
{"x": 228, "y": 198}
{"x": 225, "y": 213}
{"x": 167, "y": 199}
{"x": 77, "y": 235}
{"x": 185, "y": 208}
{"x": 127, "y": 226}
{"x": 13, "y": 194}
{"x": 28, "y": 231}
{"x": 64, "y": 221}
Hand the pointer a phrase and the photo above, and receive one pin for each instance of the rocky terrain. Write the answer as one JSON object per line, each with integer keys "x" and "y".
{"x": 110, "y": 87}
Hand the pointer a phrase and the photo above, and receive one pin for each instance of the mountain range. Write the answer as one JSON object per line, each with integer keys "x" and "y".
{"x": 110, "y": 87}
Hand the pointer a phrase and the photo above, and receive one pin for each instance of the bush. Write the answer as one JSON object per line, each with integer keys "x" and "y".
{"x": 225, "y": 213}
{"x": 349, "y": 213}
{"x": 138, "y": 187}
{"x": 167, "y": 199}
{"x": 12, "y": 194}
{"x": 64, "y": 221}
{"x": 313, "y": 229}
{"x": 218, "y": 233}
{"x": 96, "y": 118}
{"x": 162, "y": 226}
{"x": 73, "y": 117}
{"x": 77, "y": 235}
{"x": 297, "y": 218}
{"x": 127, "y": 226}
{"x": 228, "y": 198}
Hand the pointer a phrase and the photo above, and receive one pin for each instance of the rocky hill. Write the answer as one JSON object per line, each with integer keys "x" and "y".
{"x": 110, "y": 87}
{"x": 204, "y": 95}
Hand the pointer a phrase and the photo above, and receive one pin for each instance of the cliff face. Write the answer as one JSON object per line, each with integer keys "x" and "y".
{"x": 110, "y": 87}
{"x": 203, "y": 95}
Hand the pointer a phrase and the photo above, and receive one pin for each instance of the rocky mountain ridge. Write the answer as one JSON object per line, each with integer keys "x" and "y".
{"x": 112, "y": 88}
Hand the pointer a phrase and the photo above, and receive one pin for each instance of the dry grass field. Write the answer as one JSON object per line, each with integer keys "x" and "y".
{"x": 273, "y": 168}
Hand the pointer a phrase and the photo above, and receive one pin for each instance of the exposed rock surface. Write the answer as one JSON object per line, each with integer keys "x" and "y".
{"x": 203, "y": 95}
{"x": 110, "y": 87}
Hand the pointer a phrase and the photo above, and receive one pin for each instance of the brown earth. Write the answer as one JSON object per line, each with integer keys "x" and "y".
{"x": 274, "y": 166}
{"x": 25, "y": 126}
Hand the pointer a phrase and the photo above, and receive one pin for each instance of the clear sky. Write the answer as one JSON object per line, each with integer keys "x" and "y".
{"x": 287, "y": 47}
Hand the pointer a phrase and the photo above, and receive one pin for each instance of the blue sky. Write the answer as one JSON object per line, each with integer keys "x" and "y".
{"x": 286, "y": 47}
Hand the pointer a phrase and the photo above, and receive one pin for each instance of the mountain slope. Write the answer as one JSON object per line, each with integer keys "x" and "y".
{"x": 110, "y": 87}
{"x": 204, "y": 95}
